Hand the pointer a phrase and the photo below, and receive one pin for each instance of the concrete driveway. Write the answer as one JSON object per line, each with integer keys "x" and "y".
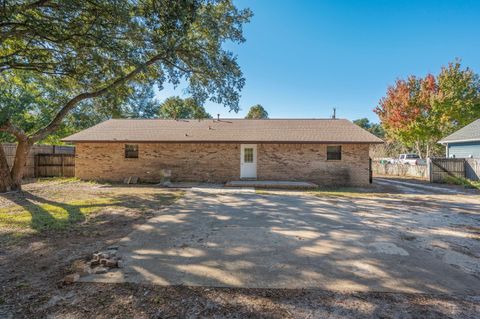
{"x": 424, "y": 243}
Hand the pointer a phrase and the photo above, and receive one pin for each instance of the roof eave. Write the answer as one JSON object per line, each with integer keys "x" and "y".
{"x": 458, "y": 141}
{"x": 227, "y": 142}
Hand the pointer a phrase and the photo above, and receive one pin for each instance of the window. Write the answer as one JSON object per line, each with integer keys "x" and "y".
{"x": 248, "y": 155}
{"x": 413, "y": 156}
{"x": 131, "y": 151}
{"x": 334, "y": 153}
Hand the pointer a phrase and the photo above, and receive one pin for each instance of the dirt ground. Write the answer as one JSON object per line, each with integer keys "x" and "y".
{"x": 33, "y": 262}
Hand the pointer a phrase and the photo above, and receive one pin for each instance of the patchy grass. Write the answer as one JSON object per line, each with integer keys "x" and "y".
{"x": 60, "y": 205}
{"x": 346, "y": 192}
{"x": 330, "y": 191}
{"x": 30, "y": 272}
{"x": 52, "y": 216}
{"x": 262, "y": 191}
{"x": 62, "y": 180}
{"x": 462, "y": 181}
{"x": 54, "y": 221}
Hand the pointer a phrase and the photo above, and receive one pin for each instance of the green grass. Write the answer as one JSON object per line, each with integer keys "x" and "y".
{"x": 263, "y": 192}
{"x": 345, "y": 192}
{"x": 51, "y": 216}
{"x": 331, "y": 191}
{"x": 57, "y": 179}
{"x": 54, "y": 215}
{"x": 462, "y": 181}
{"x": 51, "y": 208}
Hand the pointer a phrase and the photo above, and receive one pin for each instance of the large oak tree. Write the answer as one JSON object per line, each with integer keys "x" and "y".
{"x": 56, "y": 56}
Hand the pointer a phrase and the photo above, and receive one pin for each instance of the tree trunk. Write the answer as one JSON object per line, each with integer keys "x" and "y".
{"x": 419, "y": 149}
{"x": 23, "y": 147}
{"x": 12, "y": 180}
{"x": 6, "y": 182}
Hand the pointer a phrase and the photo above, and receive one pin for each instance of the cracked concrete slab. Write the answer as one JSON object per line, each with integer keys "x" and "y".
{"x": 244, "y": 239}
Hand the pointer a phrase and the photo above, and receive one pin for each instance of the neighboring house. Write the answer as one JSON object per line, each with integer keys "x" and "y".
{"x": 323, "y": 151}
{"x": 464, "y": 143}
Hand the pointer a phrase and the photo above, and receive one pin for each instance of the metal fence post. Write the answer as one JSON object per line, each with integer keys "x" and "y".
{"x": 370, "y": 173}
{"x": 429, "y": 169}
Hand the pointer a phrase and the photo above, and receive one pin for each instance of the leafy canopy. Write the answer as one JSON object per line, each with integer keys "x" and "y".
{"x": 257, "y": 112}
{"x": 55, "y": 56}
{"x": 178, "y": 108}
{"x": 420, "y": 111}
{"x": 374, "y": 128}
{"x": 28, "y": 102}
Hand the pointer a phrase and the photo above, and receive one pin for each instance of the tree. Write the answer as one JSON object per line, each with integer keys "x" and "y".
{"x": 257, "y": 112}
{"x": 458, "y": 100}
{"x": 420, "y": 111}
{"x": 374, "y": 128}
{"x": 140, "y": 103}
{"x": 56, "y": 56}
{"x": 178, "y": 108}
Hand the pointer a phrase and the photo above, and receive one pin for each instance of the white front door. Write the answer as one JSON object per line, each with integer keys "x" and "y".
{"x": 248, "y": 161}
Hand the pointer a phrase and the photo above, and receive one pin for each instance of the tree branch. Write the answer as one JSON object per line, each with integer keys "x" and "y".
{"x": 15, "y": 131}
{"x": 42, "y": 133}
{"x": 38, "y": 3}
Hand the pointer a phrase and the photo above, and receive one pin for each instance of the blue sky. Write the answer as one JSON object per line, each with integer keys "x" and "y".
{"x": 302, "y": 58}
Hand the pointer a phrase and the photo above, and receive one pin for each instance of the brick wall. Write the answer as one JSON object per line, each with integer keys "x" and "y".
{"x": 308, "y": 162}
{"x": 217, "y": 162}
{"x": 187, "y": 162}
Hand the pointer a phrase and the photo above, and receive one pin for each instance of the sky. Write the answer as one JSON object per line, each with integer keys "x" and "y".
{"x": 303, "y": 58}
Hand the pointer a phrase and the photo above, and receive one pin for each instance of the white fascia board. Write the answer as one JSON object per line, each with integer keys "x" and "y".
{"x": 459, "y": 141}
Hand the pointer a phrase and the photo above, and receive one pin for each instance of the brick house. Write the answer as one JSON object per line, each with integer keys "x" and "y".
{"x": 322, "y": 151}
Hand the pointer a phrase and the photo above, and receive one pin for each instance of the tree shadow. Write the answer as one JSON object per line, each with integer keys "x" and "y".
{"x": 252, "y": 240}
{"x": 207, "y": 238}
{"x": 48, "y": 214}
{"x": 52, "y": 215}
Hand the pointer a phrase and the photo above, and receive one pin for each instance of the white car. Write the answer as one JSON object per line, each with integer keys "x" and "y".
{"x": 410, "y": 159}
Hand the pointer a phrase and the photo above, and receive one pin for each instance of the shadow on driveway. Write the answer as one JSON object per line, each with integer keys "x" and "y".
{"x": 242, "y": 239}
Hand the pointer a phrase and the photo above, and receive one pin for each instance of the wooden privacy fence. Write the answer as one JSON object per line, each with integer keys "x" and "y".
{"x": 437, "y": 170}
{"x": 442, "y": 168}
{"x": 472, "y": 169}
{"x": 54, "y": 165}
{"x": 29, "y": 171}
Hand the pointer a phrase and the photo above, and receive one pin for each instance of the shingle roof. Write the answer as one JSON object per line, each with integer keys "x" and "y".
{"x": 471, "y": 132}
{"x": 226, "y": 130}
